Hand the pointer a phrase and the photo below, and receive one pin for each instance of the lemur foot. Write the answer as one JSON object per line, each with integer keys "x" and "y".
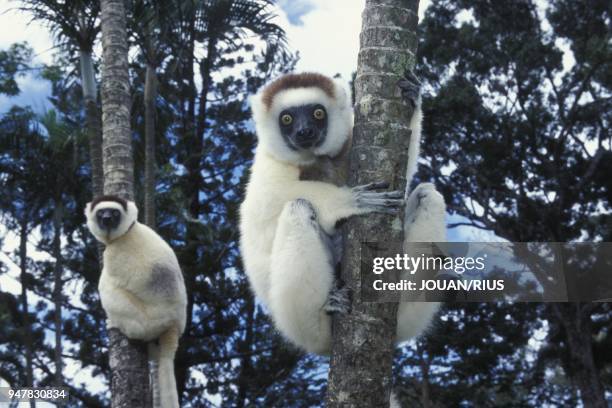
{"x": 410, "y": 87}
{"x": 302, "y": 210}
{"x": 339, "y": 301}
{"x": 337, "y": 246}
{"x": 425, "y": 200}
{"x": 387, "y": 202}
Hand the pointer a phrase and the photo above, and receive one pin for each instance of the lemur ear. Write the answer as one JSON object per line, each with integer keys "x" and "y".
{"x": 132, "y": 210}
{"x": 257, "y": 106}
{"x": 342, "y": 91}
{"x": 87, "y": 209}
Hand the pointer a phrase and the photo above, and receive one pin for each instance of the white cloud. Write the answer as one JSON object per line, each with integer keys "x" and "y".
{"x": 17, "y": 27}
{"x": 328, "y": 38}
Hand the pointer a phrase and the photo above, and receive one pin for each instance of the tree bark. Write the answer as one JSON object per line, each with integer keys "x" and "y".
{"x": 150, "y": 94}
{"x": 584, "y": 373}
{"x": 27, "y": 328}
{"x": 128, "y": 359}
{"x": 364, "y": 340}
{"x": 57, "y": 290}
{"x": 92, "y": 119}
{"x": 117, "y": 156}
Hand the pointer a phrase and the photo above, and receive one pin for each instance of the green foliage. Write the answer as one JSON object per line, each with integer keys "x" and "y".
{"x": 516, "y": 124}
{"x": 14, "y": 63}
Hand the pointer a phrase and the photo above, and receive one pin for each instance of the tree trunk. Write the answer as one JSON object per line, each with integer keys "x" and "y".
{"x": 27, "y": 329}
{"x": 246, "y": 366}
{"x": 92, "y": 118}
{"x": 150, "y": 94}
{"x": 579, "y": 337}
{"x": 188, "y": 260}
{"x": 57, "y": 290}
{"x": 364, "y": 340}
{"x": 425, "y": 364}
{"x": 128, "y": 359}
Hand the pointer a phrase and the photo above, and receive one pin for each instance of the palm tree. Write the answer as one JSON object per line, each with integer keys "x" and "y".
{"x": 75, "y": 26}
{"x": 128, "y": 360}
{"x": 384, "y": 56}
{"x": 59, "y": 145}
{"x": 153, "y": 22}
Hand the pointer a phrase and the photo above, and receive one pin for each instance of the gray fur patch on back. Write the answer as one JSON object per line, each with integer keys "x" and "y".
{"x": 163, "y": 280}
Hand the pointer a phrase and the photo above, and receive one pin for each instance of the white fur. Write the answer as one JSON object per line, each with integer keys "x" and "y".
{"x": 415, "y": 144}
{"x": 286, "y": 261}
{"x": 132, "y": 303}
{"x": 300, "y": 271}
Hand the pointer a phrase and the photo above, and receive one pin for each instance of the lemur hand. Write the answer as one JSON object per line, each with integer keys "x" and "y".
{"x": 411, "y": 88}
{"x": 387, "y": 202}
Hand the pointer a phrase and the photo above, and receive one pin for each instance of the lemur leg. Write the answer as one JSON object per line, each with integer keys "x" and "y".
{"x": 301, "y": 278}
{"x": 424, "y": 222}
{"x": 124, "y": 311}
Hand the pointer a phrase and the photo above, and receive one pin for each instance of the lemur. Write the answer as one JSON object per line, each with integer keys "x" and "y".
{"x": 295, "y": 198}
{"x": 141, "y": 287}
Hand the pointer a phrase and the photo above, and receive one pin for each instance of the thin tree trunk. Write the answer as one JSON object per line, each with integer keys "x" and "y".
{"x": 364, "y": 340}
{"x": 188, "y": 259}
{"x": 579, "y": 337}
{"x": 128, "y": 359}
{"x": 57, "y": 290}
{"x": 92, "y": 118}
{"x": 27, "y": 329}
{"x": 247, "y": 345}
{"x": 425, "y": 363}
{"x": 150, "y": 94}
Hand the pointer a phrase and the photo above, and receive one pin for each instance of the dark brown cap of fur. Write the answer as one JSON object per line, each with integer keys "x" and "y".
{"x": 292, "y": 81}
{"x": 114, "y": 198}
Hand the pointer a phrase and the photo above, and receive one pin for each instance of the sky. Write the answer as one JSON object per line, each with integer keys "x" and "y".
{"x": 325, "y": 33}
{"x": 15, "y": 27}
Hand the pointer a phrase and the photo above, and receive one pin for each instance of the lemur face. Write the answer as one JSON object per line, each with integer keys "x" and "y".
{"x": 300, "y": 117}
{"x": 110, "y": 217}
{"x": 303, "y": 127}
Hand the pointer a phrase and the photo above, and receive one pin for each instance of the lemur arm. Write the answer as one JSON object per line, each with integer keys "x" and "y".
{"x": 333, "y": 204}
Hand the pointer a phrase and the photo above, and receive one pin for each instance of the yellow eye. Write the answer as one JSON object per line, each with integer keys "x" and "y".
{"x": 319, "y": 114}
{"x": 286, "y": 119}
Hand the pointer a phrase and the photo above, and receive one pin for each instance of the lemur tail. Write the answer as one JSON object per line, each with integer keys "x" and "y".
{"x": 165, "y": 394}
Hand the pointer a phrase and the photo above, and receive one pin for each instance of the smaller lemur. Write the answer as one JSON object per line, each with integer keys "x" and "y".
{"x": 141, "y": 287}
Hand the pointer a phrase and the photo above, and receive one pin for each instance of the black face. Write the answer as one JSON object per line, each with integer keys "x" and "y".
{"x": 303, "y": 127}
{"x": 108, "y": 218}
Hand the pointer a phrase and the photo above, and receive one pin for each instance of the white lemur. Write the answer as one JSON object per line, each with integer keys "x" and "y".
{"x": 141, "y": 287}
{"x": 294, "y": 200}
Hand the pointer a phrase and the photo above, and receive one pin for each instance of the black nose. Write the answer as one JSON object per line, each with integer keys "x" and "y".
{"x": 306, "y": 137}
{"x": 106, "y": 220}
